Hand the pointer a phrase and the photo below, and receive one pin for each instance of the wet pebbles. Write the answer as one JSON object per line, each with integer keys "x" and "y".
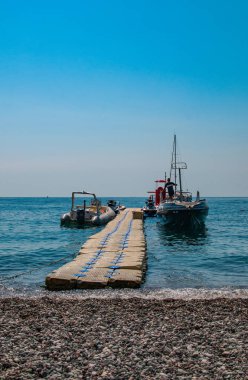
{"x": 134, "y": 338}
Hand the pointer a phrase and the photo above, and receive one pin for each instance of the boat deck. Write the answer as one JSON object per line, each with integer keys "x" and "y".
{"x": 115, "y": 256}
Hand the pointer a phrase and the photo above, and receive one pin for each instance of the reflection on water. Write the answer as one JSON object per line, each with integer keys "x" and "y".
{"x": 76, "y": 226}
{"x": 169, "y": 235}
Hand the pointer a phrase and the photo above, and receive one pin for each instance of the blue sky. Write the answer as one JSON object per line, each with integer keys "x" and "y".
{"x": 92, "y": 92}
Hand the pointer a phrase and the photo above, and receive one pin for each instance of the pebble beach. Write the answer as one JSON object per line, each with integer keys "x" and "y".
{"x": 73, "y": 337}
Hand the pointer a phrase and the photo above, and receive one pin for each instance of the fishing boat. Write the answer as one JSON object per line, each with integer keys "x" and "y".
{"x": 149, "y": 209}
{"x": 93, "y": 214}
{"x": 180, "y": 210}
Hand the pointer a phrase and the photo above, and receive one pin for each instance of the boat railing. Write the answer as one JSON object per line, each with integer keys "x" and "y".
{"x": 183, "y": 195}
{"x": 93, "y": 203}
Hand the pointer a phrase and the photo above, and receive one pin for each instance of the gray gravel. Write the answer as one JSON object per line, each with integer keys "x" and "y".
{"x": 123, "y": 338}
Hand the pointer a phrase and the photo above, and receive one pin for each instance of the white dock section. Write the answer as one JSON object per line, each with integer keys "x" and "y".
{"x": 114, "y": 257}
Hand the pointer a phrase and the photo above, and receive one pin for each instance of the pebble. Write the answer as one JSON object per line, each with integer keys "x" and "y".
{"x": 122, "y": 339}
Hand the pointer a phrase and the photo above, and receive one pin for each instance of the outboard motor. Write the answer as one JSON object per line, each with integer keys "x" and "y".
{"x": 81, "y": 216}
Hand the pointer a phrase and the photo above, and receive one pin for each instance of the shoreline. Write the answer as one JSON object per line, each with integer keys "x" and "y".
{"x": 126, "y": 293}
{"x": 129, "y": 337}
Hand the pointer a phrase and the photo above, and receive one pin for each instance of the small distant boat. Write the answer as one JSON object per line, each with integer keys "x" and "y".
{"x": 114, "y": 205}
{"x": 180, "y": 210}
{"x": 93, "y": 215}
{"x": 149, "y": 209}
{"x": 117, "y": 207}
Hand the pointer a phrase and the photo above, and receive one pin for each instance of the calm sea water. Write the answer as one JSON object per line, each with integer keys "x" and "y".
{"x": 33, "y": 243}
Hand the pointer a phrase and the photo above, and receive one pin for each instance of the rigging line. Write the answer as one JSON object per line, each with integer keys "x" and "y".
{"x": 37, "y": 268}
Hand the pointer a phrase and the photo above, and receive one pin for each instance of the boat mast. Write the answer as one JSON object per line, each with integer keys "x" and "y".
{"x": 177, "y": 166}
{"x": 180, "y": 183}
{"x": 175, "y": 159}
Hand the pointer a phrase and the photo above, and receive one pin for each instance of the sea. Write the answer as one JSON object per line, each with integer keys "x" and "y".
{"x": 33, "y": 243}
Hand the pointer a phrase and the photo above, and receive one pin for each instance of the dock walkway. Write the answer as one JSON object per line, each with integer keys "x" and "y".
{"x": 115, "y": 257}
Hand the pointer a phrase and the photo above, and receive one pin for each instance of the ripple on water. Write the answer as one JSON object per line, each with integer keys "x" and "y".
{"x": 215, "y": 257}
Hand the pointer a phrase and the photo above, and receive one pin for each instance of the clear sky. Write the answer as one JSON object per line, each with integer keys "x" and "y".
{"x": 91, "y": 93}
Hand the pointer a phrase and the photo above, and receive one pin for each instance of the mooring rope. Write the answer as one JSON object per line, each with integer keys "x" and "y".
{"x": 2, "y": 279}
{"x": 38, "y": 268}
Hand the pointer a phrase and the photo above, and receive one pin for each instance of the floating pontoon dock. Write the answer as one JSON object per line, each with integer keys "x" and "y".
{"x": 113, "y": 257}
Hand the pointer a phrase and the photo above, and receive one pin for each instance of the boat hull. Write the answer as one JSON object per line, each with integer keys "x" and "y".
{"x": 149, "y": 212}
{"x": 183, "y": 215}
